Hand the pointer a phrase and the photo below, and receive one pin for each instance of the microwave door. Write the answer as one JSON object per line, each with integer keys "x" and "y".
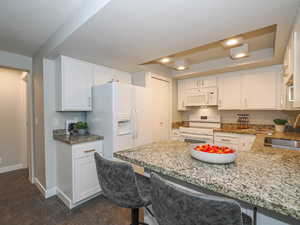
{"x": 198, "y": 99}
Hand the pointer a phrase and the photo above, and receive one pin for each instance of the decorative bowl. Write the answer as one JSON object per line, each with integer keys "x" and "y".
{"x": 216, "y": 158}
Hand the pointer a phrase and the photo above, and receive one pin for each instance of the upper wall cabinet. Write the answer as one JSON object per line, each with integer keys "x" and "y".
{"x": 251, "y": 90}
{"x": 74, "y": 84}
{"x": 197, "y": 83}
{"x": 229, "y": 92}
{"x": 181, "y": 96}
{"x": 259, "y": 90}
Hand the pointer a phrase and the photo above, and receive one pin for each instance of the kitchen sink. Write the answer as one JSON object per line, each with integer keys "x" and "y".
{"x": 282, "y": 143}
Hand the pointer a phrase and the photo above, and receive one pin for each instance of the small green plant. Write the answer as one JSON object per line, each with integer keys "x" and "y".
{"x": 81, "y": 125}
{"x": 280, "y": 121}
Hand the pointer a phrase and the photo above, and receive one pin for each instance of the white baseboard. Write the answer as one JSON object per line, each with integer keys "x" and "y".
{"x": 46, "y": 193}
{"x": 11, "y": 168}
{"x": 66, "y": 200}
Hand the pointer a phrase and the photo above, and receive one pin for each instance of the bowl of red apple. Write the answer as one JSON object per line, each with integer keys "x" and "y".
{"x": 213, "y": 153}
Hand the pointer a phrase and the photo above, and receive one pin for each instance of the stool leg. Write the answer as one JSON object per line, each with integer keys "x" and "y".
{"x": 135, "y": 216}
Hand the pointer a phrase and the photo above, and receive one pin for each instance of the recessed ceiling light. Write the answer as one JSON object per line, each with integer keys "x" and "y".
{"x": 232, "y": 42}
{"x": 180, "y": 68}
{"x": 240, "y": 55}
{"x": 165, "y": 60}
{"x": 239, "y": 52}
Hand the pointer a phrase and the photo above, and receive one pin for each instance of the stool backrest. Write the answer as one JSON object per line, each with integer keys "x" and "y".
{"x": 175, "y": 206}
{"x": 118, "y": 182}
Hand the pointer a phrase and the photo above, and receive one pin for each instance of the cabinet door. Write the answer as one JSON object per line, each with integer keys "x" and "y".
{"x": 190, "y": 84}
{"x": 230, "y": 92}
{"x": 77, "y": 81}
{"x": 86, "y": 182}
{"x": 180, "y": 96}
{"x": 259, "y": 90}
{"x": 209, "y": 82}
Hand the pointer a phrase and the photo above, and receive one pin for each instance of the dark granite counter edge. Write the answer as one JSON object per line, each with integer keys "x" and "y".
{"x": 250, "y": 199}
{"x": 59, "y": 135}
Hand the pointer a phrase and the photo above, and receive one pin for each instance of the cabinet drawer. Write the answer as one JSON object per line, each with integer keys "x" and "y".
{"x": 227, "y": 144}
{"x": 86, "y": 149}
{"x": 227, "y": 138}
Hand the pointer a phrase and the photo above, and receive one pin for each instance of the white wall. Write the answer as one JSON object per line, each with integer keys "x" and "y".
{"x": 12, "y": 120}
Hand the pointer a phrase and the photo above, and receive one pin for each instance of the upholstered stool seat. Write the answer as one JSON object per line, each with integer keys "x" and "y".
{"x": 122, "y": 186}
{"x": 175, "y": 206}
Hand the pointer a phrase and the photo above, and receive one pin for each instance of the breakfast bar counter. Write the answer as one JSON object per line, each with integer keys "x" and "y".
{"x": 265, "y": 177}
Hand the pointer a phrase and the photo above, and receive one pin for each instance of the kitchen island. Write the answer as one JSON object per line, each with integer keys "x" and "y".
{"x": 264, "y": 177}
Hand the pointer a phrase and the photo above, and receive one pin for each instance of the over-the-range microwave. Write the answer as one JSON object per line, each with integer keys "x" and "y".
{"x": 201, "y": 97}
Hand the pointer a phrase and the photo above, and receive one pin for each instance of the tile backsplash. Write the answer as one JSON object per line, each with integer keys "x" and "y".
{"x": 255, "y": 117}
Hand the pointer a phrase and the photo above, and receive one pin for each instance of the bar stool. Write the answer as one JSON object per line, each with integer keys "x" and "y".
{"x": 123, "y": 187}
{"x": 175, "y": 206}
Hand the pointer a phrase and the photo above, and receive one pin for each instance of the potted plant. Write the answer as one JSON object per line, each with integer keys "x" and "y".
{"x": 280, "y": 125}
{"x": 81, "y": 127}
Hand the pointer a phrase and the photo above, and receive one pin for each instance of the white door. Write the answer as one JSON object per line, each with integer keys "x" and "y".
{"x": 160, "y": 108}
{"x": 230, "y": 92}
{"x": 259, "y": 90}
{"x": 142, "y": 116}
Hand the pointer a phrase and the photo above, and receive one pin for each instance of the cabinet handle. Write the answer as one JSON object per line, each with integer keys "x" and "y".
{"x": 89, "y": 151}
{"x": 245, "y": 101}
{"x": 227, "y": 140}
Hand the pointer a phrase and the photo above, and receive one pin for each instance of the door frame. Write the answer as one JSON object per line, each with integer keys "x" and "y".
{"x": 170, "y": 81}
{"x": 29, "y": 131}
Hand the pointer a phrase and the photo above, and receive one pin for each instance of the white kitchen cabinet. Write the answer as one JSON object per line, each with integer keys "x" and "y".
{"x": 296, "y": 58}
{"x": 190, "y": 84}
{"x": 77, "y": 179}
{"x": 181, "y": 96}
{"x": 240, "y": 142}
{"x": 208, "y": 82}
{"x": 74, "y": 80}
{"x": 229, "y": 92}
{"x": 259, "y": 90}
{"x": 229, "y": 140}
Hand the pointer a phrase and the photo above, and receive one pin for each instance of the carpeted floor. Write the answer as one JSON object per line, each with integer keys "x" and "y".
{"x": 22, "y": 204}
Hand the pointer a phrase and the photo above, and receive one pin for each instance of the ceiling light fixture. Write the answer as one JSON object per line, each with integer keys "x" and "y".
{"x": 181, "y": 68}
{"x": 239, "y": 52}
{"x": 232, "y": 42}
{"x": 165, "y": 60}
{"x": 180, "y": 65}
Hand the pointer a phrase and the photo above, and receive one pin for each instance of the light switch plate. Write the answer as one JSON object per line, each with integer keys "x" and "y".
{"x": 0, "y": 160}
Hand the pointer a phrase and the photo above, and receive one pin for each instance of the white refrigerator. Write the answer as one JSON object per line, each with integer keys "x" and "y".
{"x": 122, "y": 114}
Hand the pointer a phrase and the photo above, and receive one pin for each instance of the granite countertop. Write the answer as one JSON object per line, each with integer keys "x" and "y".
{"x": 264, "y": 176}
{"x": 59, "y": 135}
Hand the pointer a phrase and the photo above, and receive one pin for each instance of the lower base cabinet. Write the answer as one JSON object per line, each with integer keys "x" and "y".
{"x": 240, "y": 142}
{"x": 77, "y": 179}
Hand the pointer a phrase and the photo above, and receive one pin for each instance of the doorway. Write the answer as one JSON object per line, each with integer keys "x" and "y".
{"x": 161, "y": 101}
{"x": 15, "y": 135}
